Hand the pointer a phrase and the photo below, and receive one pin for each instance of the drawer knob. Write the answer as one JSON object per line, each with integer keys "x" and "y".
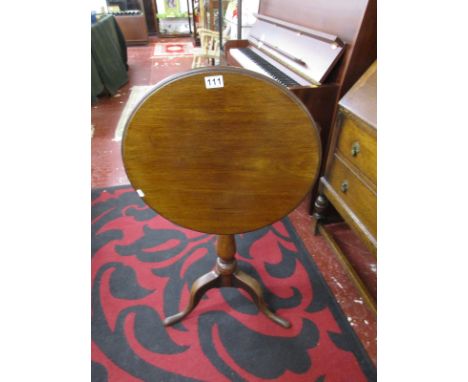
{"x": 344, "y": 186}
{"x": 355, "y": 149}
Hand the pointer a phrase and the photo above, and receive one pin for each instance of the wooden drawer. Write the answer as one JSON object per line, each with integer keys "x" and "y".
{"x": 358, "y": 144}
{"x": 358, "y": 197}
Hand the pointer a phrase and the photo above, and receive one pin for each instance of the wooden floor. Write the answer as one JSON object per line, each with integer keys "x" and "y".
{"x": 107, "y": 170}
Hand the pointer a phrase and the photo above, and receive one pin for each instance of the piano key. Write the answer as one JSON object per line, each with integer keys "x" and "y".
{"x": 247, "y": 63}
{"x": 267, "y": 67}
{"x": 277, "y": 74}
{"x": 255, "y": 60}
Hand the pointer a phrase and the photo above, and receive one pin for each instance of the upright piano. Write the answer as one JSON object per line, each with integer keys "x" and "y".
{"x": 316, "y": 48}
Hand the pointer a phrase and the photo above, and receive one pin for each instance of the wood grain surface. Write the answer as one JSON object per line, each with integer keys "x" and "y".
{"x": 359, "y": 197}
{"x": 226, "y": 160}
{"x": 353, "y": 132}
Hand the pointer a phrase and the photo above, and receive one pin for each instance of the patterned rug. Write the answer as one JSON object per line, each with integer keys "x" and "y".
{"x": 142, "y": 270}
{"x": 168, "y": 49}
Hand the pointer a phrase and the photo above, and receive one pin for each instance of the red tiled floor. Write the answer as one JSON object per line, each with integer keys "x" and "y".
{"x": 107, "y": 170}
{"x": 144, "y": 69}
{"x": 361, "y": 258}
{"x": 360, "y": 316}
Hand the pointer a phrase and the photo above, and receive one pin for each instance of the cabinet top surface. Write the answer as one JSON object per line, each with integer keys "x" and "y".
{"x": 361, "y": 99}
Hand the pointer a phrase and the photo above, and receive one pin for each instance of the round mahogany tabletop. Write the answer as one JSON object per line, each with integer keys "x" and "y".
{"x": 221, "y": 150}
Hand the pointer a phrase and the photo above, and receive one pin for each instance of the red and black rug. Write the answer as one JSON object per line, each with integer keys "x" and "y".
{"x": 142, "y": 270}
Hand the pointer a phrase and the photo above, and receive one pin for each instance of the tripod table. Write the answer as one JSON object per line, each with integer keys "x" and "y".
{"x": 222, "y": 151}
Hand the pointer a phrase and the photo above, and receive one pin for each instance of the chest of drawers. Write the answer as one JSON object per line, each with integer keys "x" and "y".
{"x": 350, "y": 179}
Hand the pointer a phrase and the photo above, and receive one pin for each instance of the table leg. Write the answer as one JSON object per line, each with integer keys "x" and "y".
{"x": 252, "y": 287}
{"x": 199, "y": 287}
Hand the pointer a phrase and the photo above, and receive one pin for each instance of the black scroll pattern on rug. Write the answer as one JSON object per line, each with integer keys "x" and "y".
{"x": 143, "y": 267}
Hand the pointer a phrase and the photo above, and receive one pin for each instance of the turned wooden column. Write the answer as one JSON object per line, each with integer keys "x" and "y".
{"x": 320, "y": 208}
{"x": 226, "y": 263}
{"x": 226, "y": 247}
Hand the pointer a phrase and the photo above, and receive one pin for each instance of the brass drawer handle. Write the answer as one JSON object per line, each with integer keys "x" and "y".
{"x": 344, "y": 186}
{"x": 355, "y": 149}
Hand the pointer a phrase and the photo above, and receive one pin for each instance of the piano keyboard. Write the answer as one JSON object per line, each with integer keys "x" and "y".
{"x": 261, "y": 63}
{"x": 269, "y": 68}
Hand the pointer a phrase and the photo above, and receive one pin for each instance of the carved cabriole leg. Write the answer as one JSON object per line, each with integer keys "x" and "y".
{"x": 226, "y": 274}
{"x": 320, "y": 208}
{"x": 253, "y": 288}
{"x": 199, "y": 287}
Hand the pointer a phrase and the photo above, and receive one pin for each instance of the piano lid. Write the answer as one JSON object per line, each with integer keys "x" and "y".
{"x": 309, "y": 53}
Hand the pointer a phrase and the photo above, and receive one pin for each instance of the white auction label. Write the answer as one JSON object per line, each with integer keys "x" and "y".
{"x": 213, "y": 82}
